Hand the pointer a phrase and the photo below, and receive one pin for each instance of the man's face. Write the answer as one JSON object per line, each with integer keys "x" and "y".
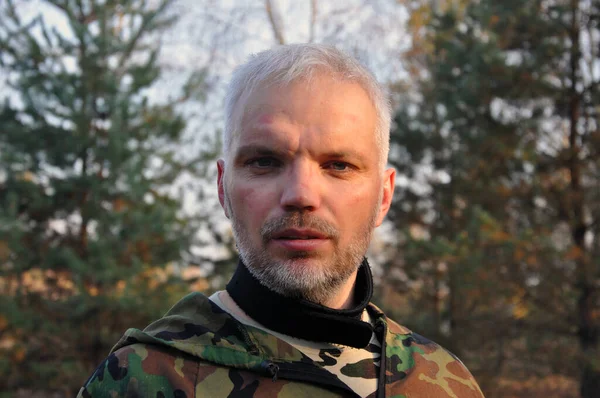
{"x": 304, "y": 187}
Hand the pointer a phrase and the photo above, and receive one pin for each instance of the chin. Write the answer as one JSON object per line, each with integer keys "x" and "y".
{"x": 305, "y": 278}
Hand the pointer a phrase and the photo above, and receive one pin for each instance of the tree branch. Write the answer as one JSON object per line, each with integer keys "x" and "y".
{"x": 313, "y": 20}
{"x": 275, "y": 21}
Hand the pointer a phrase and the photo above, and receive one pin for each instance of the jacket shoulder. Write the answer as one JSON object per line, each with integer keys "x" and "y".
{"x": 145, "y": 371}
{"x": 139, "y": 370}
{"x": 423, "y": 368}
{"x": 418, "y": 367}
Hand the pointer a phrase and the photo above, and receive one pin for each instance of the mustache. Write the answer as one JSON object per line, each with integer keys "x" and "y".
{"x": 297, "y": 220}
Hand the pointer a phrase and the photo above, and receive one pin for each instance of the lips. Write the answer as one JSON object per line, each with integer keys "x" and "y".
{"x": 299, "y": 240}
{"x": 299, "y": 234}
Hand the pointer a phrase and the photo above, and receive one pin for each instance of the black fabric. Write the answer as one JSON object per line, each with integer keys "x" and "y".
{"x": 301, "y": 318}
{"x": 381, "y": 380}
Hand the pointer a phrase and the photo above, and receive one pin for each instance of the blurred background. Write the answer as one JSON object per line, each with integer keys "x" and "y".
{"x": 110, "y": 122}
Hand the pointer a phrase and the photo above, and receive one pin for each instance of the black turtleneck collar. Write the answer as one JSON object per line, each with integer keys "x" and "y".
{"x": 301, "y": 318}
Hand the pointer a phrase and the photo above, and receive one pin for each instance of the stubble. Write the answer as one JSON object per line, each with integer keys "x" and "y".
{"x": 315, "y": 277}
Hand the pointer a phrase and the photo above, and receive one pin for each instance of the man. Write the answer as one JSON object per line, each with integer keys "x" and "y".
{"x": 303, "y": 180}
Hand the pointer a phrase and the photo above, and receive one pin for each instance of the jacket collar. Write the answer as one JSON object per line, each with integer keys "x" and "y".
{"x": 301, "y": 318}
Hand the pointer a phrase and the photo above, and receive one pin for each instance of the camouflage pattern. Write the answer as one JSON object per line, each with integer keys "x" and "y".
{"x": 358, "y": 368}
{"x": 198, "y": 350}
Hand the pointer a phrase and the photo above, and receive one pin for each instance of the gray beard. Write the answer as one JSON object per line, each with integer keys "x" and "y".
{"x": 318, "y": 283}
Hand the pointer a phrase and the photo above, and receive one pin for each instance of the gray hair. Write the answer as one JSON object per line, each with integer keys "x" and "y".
{"x": 283, "y": 65}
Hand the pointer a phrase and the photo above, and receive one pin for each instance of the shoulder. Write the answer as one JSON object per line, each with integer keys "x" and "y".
{"x": 434, "y": 370}
{"x": 143, "y": 370}
{"x": 423, "y": 367}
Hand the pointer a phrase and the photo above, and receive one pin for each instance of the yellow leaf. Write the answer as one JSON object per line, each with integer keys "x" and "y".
{"x": 4, "y": 251}
{"x": 120, "y": 287}
{"x": 500, "y": 236}
{"x": 574, "y": 253}
{"x": 532, "y": 260}
{"x": 119, "y": 205}
{"x": 520, "y": 311}
{"x": 27, "y": 176}
{"x": 519, "y": 254}
{"x": 19, "y": 354}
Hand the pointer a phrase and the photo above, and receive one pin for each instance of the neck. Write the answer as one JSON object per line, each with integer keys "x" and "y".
{"x": 338, "y": 322}
{"x": 344, "y": 298}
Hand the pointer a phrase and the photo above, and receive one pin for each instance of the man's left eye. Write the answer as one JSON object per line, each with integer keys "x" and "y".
{"x": 339, "y": 166}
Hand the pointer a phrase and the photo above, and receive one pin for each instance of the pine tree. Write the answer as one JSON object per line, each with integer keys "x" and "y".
{"x": 89, "y": 235}
{"x": 502, "y": 221}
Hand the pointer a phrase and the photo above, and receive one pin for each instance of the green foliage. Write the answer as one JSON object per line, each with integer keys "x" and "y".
{"x": 89, "y": 236}
{"x": 501, "y": 214}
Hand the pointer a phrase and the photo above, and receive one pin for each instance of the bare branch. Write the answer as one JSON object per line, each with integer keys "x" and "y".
{"x": 313, "y": 20}
{"x": 275, "y": 21}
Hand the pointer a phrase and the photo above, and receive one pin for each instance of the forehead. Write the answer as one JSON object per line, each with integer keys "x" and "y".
{"x": 329, "y": 105}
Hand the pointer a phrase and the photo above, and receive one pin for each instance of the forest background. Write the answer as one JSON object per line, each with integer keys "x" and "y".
{"x": 110, "y": 120}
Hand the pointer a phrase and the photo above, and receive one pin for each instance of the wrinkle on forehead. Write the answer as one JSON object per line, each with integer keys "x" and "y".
{"x": 309, "y": 82}
{"x": 271, "y": 107}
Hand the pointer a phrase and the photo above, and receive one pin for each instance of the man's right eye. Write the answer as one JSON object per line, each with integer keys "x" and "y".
{"x": 263, "y": 162}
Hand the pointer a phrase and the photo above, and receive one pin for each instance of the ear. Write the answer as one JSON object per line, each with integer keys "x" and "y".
{"x": 220, "y": 183}
{"x": 389, "y": 182}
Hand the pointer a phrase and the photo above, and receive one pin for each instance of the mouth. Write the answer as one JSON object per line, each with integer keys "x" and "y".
{"x": 298, "y": 234}
{"x": 300, "y": 240}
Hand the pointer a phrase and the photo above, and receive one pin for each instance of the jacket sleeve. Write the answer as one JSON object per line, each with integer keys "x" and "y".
{"x": 102, "y": 383}
{"x": 140, "y": 371}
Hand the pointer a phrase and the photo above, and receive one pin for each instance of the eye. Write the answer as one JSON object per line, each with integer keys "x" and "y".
{"x": 338, "y": 166}
{"x": 263, "y": 162}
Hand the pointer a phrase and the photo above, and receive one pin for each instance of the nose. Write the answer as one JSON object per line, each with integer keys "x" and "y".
{"x": 301, "y": 191}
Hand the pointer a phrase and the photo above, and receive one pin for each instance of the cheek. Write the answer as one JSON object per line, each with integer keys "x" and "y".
{"x": 355, "y": 207}
{"x": 251, "y": 203}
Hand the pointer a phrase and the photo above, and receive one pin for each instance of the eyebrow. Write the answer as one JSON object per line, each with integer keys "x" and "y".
{"x": 255, "y": 150}
{"x": 344, "y": 155}
{"x": 247, "y": 151}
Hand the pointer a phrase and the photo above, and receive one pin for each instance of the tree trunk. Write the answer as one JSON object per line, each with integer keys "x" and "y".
{"x": 588, "y": 332}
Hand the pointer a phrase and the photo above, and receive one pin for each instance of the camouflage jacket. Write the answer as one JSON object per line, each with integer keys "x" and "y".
{"x": 198, "y": 350}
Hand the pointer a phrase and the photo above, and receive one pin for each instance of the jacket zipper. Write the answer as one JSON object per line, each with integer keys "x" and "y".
{"x": 271, "y": 369}
{"x": 287, "y": 372}
{"x": 382, "y": 361}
